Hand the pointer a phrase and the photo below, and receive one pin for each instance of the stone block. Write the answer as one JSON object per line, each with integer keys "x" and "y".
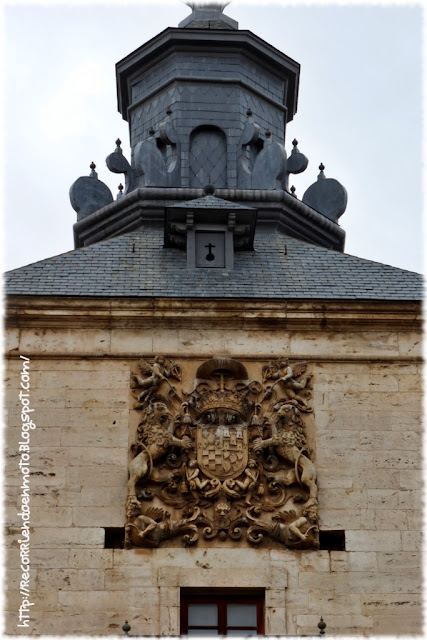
{"x": 90, "y": 580}
{"x": 201, "y": 343}
{"x": 11, "y": 341}
{"x": 391, "y": 519}
{"x": 399, "y": 459}
{"x": 99, "y": 516}
{"x": 79, "y": 623}
{"x": 132, "y": 557}
{"x": 169, "y": 621}
{"x": 275, "y": 620}
{"x": 95, "y": 378}
{"x": 64, "y": 342}
{"x": 409, "y": 581}
{"x": 337, "y": 624}
{"x": 338, "y": 519}
{"x": 404, "y": 604}
{"x": 363, "y": 344}
{"x": 343, "y": 458}
{"x": 93, "y": 435}
{"x": 373, "y": 541}
{"x": 410, "y": 479}
{"x": 98, "y": 497}
{"x": 169, "y": 597}
{"x": 51, "y": 517}
{"x": 121, "y": 578}
{"x": 412, "y": 540}
{"x": 91, "y": 558}
{"x": 384, "y": 440}
{"x": 131, "y": 341}
{"x": 336, "y": 604}
{"x": 50, "y": 537}
{"x": 56, "y": 579}
{"x": 397, "y": 625}
{"x": 68, "y": 496}
{"x": 97, "y": 398}
{"x": 98, "y": 457}
{"x": 10, "y": 621}
{"x": 257, "y": 343}
{"x": 342, "y": 498}
{"x": 398, "y": 560}
{"x": 93, "y": 477}
{"x": 410, "y": 344}
{"x": 353, "y": 561}
{"x": 325, "y": 582}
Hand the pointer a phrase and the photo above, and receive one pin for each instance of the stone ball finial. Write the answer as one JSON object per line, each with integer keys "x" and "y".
{"x": 293, "y": 191}
{"x": 118, "y": 142}
{"x": 168, "y": 111}
{"x": 93, "y": 173}
{"x": 322, "y": 626}
{"x": 268, "y": 133}
{"x": 249, "y": 112}
{"x": 321, "y": 166}
{"x": 126, "y": 628}
{"x": 209, "y": 189}
{"x": 294, "y": 142}
{"x": 151, "y": 131}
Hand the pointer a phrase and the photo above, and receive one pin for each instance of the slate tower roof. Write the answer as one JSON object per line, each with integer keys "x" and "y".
{"x": 206, "y": 209}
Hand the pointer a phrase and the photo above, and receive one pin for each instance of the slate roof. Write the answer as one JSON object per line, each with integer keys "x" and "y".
{"x": 281, "y": 267}
{"x": 211, "y": 202}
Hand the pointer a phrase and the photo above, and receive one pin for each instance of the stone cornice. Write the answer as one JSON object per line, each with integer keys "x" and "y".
{"x": 144, "y": 313}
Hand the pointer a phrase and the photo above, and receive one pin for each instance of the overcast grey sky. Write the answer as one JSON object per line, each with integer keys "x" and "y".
{"x": 359, "y": 112}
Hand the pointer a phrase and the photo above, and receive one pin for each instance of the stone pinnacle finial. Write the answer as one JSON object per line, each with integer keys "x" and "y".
{"x": 208, "y": 15}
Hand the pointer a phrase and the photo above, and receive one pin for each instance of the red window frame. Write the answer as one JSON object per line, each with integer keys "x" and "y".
{"x": 222, "y": 597}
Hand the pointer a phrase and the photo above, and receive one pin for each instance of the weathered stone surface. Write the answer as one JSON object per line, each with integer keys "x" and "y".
{"x": 50, "y": 537}
{"x": 373, "y": 541}
{"x": 91, "y": 558}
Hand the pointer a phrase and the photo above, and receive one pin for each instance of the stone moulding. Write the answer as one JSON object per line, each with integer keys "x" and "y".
{"x": 291, "y": 315}
{"x": 227, "y": 460}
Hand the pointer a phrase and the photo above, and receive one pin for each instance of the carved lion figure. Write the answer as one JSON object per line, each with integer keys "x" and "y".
{"x": 154, "y": 441}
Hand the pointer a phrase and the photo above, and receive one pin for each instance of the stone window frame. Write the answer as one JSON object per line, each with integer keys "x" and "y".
{"x": 272, "y": 578}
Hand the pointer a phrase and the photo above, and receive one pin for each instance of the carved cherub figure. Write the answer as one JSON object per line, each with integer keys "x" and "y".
{"x": 290, "y": 528}
{"x": 285, "y": 376}
{"x": 155, "y": 441}
{"x": 157, "y": 373}
{"x": 193, "y": 480}
{"x": 250, "y": 481}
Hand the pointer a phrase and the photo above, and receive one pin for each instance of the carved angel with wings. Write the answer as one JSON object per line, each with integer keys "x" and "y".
{"x": 160, "y": 371}
{"x": 286, "y": 377}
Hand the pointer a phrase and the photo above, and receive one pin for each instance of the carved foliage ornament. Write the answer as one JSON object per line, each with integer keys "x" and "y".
{"x": 227, "y": 460}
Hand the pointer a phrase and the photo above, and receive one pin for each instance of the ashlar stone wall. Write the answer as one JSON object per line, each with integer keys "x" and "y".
{"x": 367, "y": 437}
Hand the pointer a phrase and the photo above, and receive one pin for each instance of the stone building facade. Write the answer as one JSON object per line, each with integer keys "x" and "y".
{"x": 227, "y": 406}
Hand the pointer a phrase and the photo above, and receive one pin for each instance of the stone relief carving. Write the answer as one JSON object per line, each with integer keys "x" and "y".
{"x": 228, "y": 459}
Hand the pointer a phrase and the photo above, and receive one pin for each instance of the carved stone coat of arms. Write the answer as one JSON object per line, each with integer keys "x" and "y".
{"x": 227, "y": 459}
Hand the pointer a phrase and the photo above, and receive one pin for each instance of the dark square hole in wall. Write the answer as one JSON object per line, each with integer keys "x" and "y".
{"x": 114, "y": 537}
{"x": 332, "y": 540}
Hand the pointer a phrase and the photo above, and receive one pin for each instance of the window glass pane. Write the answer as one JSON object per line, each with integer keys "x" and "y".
{"x": 241, "y": 614}
{"x": 205, "y": 632}
{"x": 241, "y": 632}
{"x": 203, "y": 614}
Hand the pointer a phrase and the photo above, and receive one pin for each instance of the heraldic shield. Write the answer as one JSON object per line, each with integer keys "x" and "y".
{"x": 228, "y": 457}
{"x": 222, "y": 450}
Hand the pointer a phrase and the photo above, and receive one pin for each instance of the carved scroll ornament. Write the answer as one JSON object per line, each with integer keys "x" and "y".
{"x": 227, "y": 460}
